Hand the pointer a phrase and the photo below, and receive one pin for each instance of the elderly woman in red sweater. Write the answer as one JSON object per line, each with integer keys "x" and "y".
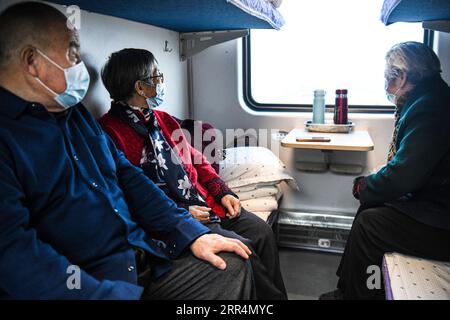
{"x": 146, "y": 136}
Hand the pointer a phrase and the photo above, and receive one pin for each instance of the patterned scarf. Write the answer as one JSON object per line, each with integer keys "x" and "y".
{"x": 393, "y": 145}
{"x": 157, "y": 155}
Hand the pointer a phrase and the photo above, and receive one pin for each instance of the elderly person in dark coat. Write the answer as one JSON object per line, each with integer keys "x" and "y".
{"x": 405, "y": 206}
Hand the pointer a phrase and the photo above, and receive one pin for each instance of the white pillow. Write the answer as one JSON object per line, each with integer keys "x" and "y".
{"x": 253, "y": 165}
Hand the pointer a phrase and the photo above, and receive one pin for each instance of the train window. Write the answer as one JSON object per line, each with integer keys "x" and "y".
{"x": 325, "y": 44}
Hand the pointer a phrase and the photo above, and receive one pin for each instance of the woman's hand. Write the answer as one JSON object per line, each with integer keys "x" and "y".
{"x": 358, "y": 184}
{"x": 233, "y": 205}
{"x": 200, "y": 213}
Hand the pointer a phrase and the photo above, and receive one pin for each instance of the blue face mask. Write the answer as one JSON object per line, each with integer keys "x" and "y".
{"x": 158, "y": 99}
{"x": 77, "y": 84}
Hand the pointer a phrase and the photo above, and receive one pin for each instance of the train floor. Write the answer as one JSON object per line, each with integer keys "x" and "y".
{"x": 308, "y": 274}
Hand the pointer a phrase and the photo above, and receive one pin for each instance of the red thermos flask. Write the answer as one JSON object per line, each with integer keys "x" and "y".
{"x": 341, "y": 107}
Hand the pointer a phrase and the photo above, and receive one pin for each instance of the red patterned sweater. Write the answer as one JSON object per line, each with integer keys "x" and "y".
{"x": 208, "y": 184}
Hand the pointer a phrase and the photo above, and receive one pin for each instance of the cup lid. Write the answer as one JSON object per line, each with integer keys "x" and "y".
{"x": 319, "y": 92}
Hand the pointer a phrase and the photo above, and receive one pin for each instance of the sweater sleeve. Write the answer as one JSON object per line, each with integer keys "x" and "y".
{"x": 206, "y": 174}
{"x": 208, "y": 177}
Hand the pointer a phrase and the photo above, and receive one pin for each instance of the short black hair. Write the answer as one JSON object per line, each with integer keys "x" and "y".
{"x": 26, "y": 23}
{"x": 124, "y": 68}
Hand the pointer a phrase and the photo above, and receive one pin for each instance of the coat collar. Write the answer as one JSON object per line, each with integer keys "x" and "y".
{"x": 11, "y": 105}
{"x": 433, "y": 84}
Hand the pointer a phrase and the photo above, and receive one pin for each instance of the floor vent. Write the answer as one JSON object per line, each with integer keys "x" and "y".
{"x": 322, "y": 231}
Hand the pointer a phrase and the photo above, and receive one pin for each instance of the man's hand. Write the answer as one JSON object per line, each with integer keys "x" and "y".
{"x": 207, "y": 246}
{"x": 233, "y": 206}
{"x": 200, "y": 213}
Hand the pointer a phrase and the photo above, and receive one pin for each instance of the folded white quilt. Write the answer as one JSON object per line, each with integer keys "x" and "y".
{"x": 266, "y": 204}
{"x": 244, "y": 166}
{"x": 258, "y": 192}
{"x": 254, "y": 186}
{"x": 255, "y": 174}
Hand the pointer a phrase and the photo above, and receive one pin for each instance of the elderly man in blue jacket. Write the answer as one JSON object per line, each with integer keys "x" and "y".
{"x": 405, "y": 206}
{"x": 76, "y": 217}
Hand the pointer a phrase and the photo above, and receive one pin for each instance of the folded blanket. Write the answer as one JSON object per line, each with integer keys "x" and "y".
{"x": 255, "y": 175}
{"x": 276, "y": 3}
{"x": 261, "y": 9}
{"x": 258, "y": 192}
{"x": 266, "y": 204}
{"x": 254, "y": 186}
{"x": 245, "y": 166}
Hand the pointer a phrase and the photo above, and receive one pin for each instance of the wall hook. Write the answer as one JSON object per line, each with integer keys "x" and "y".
{"x": 166, "y": 47}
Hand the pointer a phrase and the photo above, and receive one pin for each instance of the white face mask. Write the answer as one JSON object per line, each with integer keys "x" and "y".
{"x": 392, "y": 97}
{"x": 158, "y": 99}
{"x": 77, "y": 84}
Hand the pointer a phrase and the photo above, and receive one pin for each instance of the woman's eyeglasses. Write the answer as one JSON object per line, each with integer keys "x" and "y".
{"x": 159, "y": 78}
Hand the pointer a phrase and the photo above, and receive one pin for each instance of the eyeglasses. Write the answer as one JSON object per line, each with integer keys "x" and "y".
{"x": 159, "y": 78}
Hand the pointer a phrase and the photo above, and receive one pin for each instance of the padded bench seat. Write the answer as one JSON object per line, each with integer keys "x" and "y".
{"x": 412, "y": 278}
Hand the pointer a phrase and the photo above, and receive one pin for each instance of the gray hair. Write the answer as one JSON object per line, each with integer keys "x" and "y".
{"x": 416, "y": 60}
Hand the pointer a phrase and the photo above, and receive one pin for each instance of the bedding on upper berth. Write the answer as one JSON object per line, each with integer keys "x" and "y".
{"x": 262, "y": 9}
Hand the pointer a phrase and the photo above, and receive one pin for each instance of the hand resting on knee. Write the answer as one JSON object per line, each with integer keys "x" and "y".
{"x": 208, "y": 246}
